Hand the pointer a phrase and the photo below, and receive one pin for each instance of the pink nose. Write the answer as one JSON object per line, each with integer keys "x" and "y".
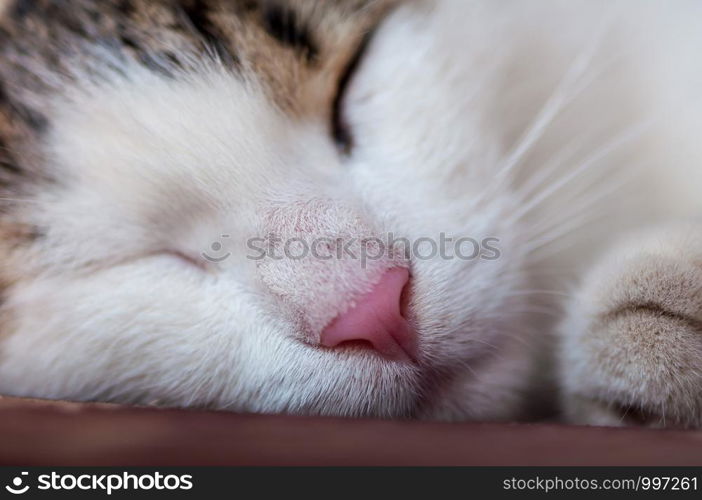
{"x": 377, "y": 320}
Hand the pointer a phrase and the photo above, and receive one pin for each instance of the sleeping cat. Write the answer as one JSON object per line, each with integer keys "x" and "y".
{"x": 447, "y": 209}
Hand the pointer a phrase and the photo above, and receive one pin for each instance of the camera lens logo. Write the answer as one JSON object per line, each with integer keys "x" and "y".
{"x": 217, "y": 252}
{"x": 16, "y": 488}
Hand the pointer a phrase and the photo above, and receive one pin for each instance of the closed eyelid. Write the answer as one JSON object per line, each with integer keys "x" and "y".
{"x": 341, "y": 132}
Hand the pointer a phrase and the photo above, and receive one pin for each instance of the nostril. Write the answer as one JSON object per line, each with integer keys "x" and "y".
{"x": 376, "y": 320}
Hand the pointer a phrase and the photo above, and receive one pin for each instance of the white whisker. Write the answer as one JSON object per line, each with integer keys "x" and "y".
{"x": 565, "y": 92}
{"x": 19, "y": 200}
{"x": 584, "y": 201}
{"x": 620, "y": 140}
{"x": 552, "y": 167}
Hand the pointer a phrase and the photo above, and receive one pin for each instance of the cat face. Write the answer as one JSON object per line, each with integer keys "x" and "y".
{"x": 168, "y": 266}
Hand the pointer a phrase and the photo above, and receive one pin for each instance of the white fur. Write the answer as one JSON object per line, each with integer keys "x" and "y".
{"x": 457, "y": 109}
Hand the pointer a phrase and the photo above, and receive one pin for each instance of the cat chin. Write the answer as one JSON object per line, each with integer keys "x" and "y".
{"x": 243, "y": 361}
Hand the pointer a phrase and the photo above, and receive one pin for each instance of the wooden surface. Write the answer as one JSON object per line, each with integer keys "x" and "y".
{"x": 45, "y": 433}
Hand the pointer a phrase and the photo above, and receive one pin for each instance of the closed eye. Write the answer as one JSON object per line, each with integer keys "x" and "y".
{"x": 340, "y": 129}
{"x": 184, "y": 258}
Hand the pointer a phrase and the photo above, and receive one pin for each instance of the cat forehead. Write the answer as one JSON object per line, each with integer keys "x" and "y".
{"x": 295, "y": 48}
{"x": 211, "y": 137}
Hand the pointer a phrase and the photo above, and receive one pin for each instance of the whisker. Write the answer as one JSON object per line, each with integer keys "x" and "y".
{"x": 536, "y": 291}
{"x": 562, "y": 95}
{"x": 582, "y": 207}
{"x": 620, "y": 140}
{"x": 19, "y": 200}
{"x": 570, "y": 223}
{"x": 553, "y": 166}
{"x": 558, "y": 233}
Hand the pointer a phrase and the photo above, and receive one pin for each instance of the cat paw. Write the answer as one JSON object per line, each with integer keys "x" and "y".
{"x": 631, "y": 350}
